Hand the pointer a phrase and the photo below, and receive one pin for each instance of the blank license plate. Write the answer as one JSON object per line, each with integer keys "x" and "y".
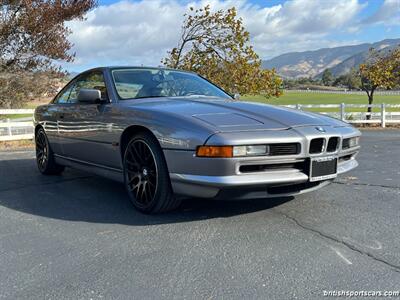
{"x": 323, "y": 168}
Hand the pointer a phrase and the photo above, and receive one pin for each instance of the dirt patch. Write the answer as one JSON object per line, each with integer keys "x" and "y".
{"x": 17, "y": 145}
{"x": 376, "y": 126}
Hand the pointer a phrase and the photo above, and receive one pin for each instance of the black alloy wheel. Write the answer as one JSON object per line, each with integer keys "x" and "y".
{"x": 44, "y": 155}
{"x": 42, "y": 150}
{"x": 146, "y": 175}
{"x": 141, "y": 172}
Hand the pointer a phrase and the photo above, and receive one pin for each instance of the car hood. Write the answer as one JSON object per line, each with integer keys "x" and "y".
{"x": 231, "y": 115}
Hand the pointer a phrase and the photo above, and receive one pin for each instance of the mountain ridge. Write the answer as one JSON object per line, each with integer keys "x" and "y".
{"x": 312, "y": 63}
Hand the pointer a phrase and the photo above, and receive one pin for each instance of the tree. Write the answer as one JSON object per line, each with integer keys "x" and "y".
{"x": 350, "y": 80}
{"x": 216, "y": 45}
{"x": 353, "y": 79}
{"x": 327, "y": 77}
{"x": 33, "y": 36}
{"x": 18, "y": 88}
{"x": 381, "y": 70}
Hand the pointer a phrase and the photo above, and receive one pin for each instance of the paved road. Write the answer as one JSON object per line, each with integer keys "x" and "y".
{"x": 77, "y": 237}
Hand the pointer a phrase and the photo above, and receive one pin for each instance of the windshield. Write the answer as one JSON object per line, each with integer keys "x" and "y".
{"x": 147, "y": 83}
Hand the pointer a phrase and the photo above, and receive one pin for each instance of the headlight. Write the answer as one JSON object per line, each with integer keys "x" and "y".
{"x": 350, "y": 142}
{"x": 232, "y": 151}
{"x": 354, "y": 142}
{"x": 254, "y": 150}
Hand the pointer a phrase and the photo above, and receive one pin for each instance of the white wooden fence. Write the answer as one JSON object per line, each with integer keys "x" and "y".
{"x": 16, "y": 128}
{"x": 357, "y": 113}
{"x": 22, "y": 128}
{"x": 342, "y": 91}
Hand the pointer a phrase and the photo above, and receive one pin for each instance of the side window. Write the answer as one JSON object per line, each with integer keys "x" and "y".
{"x": 94, "y": 80}
{"x": 73, "y": 97}
{"x": 63, "y": 97}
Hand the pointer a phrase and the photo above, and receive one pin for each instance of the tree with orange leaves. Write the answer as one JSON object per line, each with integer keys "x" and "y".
{"x": 216, "y": 45}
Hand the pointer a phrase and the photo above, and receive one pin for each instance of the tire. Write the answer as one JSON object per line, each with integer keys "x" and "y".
{"x": 44, "y": 155}
{"x": 146, "y": 176}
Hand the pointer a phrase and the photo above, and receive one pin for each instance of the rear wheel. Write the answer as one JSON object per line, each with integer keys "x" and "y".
{"x": 146, "y": 176}
{"x": 44, "y": 155}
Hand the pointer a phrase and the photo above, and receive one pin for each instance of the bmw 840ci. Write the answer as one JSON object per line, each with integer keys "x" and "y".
{"x": 169, "y": 134}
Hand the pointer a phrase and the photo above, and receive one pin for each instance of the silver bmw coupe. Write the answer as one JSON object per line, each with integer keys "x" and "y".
{"x": 168, "y": 134}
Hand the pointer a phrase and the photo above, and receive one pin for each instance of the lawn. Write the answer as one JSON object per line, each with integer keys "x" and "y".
{"x": 292, "y": 98}
{"x": 12, "y": 117}
{"x": 313, "y": 98}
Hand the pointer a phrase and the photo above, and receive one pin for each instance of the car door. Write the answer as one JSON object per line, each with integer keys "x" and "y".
{"x": 52, "y": 117}
{"x": 80, "y": 127}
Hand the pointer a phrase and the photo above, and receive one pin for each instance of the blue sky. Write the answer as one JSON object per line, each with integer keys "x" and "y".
{"x": 140, "y": 32}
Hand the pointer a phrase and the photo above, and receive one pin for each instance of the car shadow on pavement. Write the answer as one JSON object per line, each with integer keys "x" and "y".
{"x": 80, "y": 196}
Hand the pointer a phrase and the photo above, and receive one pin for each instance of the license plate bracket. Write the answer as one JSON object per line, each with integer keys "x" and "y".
{"x": 323, "y": 168}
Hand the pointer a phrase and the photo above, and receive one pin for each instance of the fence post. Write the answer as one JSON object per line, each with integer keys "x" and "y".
{"x": 383, "y": 115}
{"x": 342, "y": 112}
{"x": 9, "y": 127}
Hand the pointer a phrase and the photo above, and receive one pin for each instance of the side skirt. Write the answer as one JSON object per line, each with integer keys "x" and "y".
{"x": 103, "y": 171}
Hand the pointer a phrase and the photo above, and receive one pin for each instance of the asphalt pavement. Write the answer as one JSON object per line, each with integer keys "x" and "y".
{"x": 76, "y": 236}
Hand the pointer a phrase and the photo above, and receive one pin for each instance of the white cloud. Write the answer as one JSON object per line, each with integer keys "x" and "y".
{"x": 141, "y": 32}
{"x": 388, "y": 13}
{"x": 299, "y": 25}
{"x": 126, "y": 32}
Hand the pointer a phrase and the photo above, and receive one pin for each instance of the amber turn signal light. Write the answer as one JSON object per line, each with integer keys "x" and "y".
{"x": 215, "y": 151}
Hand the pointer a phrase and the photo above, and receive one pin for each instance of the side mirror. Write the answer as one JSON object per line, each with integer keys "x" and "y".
{"x": 236, "y": 96}
{"x": 89, "y": 96}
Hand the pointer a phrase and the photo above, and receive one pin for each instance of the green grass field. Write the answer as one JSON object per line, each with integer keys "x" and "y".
{"x": 292, "y": 98}
{"x": 311, "y": 98}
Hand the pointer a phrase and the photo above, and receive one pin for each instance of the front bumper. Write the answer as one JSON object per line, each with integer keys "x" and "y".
{"x": 256, "y": 185}
{"x": 283, "y": 175}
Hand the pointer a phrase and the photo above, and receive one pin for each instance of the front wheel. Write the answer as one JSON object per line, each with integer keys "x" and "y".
{"x": 146, "y": 176}
{"x": 44, "y": 155}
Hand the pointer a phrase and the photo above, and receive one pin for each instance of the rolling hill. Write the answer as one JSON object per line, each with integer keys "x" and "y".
{"x": 312, "y": 63}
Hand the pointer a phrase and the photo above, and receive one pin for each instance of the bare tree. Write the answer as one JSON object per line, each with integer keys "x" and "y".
{"x": 33, "y": 36}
